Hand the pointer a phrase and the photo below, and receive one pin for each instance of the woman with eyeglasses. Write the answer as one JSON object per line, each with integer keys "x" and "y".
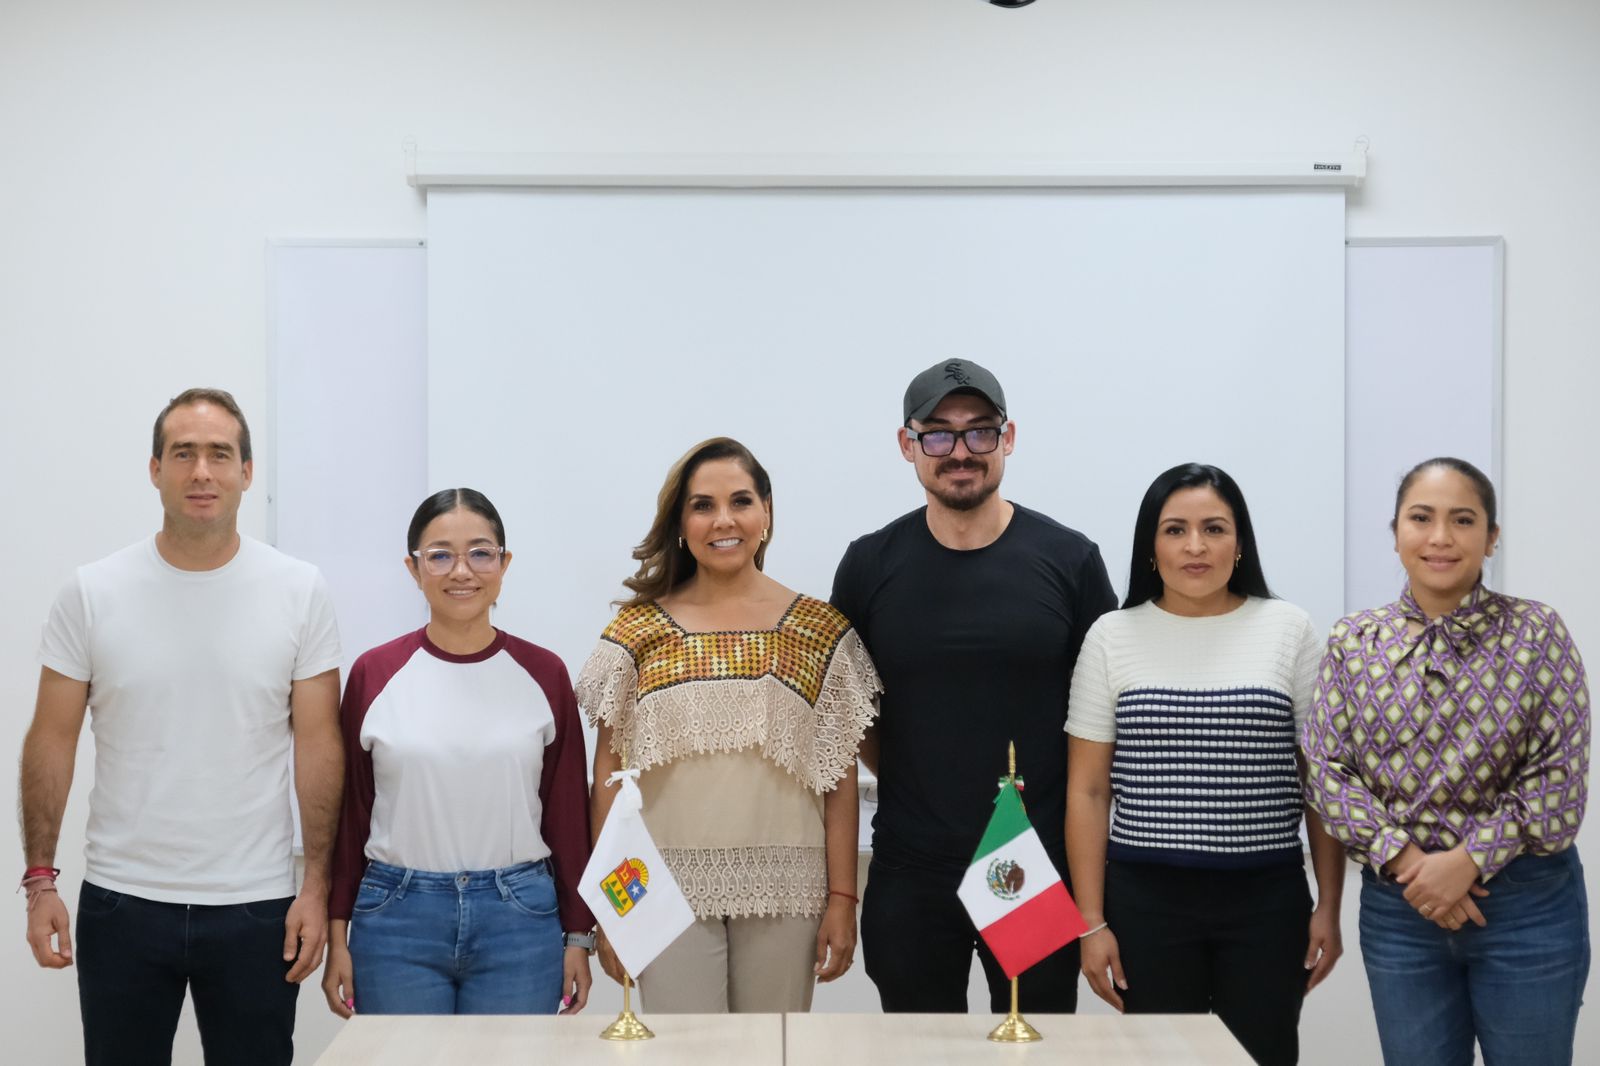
{"x": 1448, "y": 748}
{"x": 743, "y": 704}
{"x": 1183, "y": 790}
{"x": 465, "y": 821}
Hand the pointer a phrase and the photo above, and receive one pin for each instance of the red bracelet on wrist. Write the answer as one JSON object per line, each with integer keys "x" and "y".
{"x": 36, "y": 881}
{"x": 846, "y": 895}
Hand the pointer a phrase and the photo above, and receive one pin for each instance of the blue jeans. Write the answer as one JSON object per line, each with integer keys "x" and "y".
{"x": 476, "y": 942}
{"x": 136, "y": 957}
{"x": 1515, "y": 984}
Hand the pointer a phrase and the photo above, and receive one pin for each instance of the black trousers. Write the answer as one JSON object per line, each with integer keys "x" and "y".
{"x": 917, "y": 944}
{"x": 136, "y": 957}
{"x": 1229, "y": 942}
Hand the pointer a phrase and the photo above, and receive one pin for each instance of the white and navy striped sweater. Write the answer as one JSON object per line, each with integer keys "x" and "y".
{"x": 1204, "y": 713}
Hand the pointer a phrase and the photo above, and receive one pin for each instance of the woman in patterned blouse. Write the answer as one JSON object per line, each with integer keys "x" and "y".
{"x": 1448, "y": 747}
{"x": 743, "y": 704}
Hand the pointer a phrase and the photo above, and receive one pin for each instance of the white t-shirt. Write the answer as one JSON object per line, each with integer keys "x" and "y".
{"x": 189, "y": 675}
{"x": 457, "y": 746}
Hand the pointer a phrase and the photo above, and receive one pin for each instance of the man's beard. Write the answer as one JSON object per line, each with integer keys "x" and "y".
{"x": 969, "y": 499}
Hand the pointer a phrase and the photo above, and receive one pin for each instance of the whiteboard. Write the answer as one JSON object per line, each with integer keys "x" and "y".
{"x": 1423, "y": 365}
{"x": 348, "y": 447}
{"x": 609, "y": 330}
{"x": 1406, "y": 299}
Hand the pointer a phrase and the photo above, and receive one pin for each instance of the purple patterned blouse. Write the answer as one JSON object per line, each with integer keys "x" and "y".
{"x": 1476, "y": 731}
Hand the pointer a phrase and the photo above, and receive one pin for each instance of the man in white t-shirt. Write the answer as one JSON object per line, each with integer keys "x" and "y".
{"x": 200, "y": 655}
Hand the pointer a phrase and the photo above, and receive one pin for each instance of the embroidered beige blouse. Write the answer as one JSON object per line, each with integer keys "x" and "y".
{"x": 740, "y": 735}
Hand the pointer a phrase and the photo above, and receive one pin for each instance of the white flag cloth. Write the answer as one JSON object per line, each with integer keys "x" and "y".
{"x": 633, "y": 895}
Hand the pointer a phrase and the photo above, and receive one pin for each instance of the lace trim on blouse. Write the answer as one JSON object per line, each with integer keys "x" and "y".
{"x": 784, "y": 882}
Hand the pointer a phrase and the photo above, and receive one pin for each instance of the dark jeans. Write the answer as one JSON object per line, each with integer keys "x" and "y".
{"x": 1228, "y": 942}
{"x": 135, "y": 957}
{"x": 917, "y": 943}
{"x": 1515, "y": 984}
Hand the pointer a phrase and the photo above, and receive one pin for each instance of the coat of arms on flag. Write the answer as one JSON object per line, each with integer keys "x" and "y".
{"x": 1006, "y": 878}
{"x": 627, "y": 884}
{"x": 1013, "y": 892}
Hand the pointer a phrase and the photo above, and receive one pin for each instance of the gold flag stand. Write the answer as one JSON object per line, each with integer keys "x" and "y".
{"x": 627, "y": 1026}
{"x": 1014, "y": 1029}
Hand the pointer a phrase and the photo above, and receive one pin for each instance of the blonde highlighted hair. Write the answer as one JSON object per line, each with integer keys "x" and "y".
{"x": 664, "y": 564}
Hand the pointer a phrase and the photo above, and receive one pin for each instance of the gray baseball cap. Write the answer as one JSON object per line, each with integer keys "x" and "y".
{"x": 931, "y": 386}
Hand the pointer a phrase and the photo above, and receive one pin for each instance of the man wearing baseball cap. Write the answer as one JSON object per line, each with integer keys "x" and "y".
{"x": 974, "y": 608}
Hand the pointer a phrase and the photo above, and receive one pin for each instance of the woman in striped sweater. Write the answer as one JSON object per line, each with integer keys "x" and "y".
{"x": 1183, "y": 790}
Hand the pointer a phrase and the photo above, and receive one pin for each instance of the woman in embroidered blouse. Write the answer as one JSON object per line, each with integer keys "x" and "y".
{"x": 1185, "y": 706}
{"x": 743, "y": 704}
{"x": 1448, "y": 748}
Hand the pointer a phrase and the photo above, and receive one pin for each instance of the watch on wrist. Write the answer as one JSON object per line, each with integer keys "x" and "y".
{"x": 579, "y": 940}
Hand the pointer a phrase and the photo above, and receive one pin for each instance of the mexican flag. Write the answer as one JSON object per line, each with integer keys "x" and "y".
{"x": 1013, "y": 893}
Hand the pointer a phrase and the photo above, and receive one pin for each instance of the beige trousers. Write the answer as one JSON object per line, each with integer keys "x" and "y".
{"x": 734, "y": 965}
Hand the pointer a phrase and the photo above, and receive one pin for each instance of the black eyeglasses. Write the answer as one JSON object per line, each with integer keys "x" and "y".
{"x": 937, "y": 443}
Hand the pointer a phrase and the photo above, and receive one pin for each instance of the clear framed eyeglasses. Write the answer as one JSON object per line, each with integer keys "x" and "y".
{"x": 438, "y": 562}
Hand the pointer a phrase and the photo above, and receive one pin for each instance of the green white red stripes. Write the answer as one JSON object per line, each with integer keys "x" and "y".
{"x": 1013, "y": 892}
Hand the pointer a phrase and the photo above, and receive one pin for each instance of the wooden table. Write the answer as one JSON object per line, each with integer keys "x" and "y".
{"x": 789, "y": 1039}
{"x": 959, "y": 1039}
{"x": 489, "y": 1040}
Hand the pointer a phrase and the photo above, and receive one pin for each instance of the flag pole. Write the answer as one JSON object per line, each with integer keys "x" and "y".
{"x": 627, "y": 1026}
{"x": 1014, "y": 1029}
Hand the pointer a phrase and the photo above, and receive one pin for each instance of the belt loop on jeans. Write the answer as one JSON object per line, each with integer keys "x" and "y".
{"x": 500, "y": 883}
{"x": 405, "y": 879}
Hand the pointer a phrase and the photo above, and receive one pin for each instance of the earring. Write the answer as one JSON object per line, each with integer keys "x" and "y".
{"x": 1152, "y": 563}
{"x": 763, "y": 535}
{"x": 1237, "y": 559}
{"x": 680, "y": 542}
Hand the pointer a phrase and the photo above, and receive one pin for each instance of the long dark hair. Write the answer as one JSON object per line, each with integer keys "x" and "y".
{"x": 664, "y": 564}
{"x": 1144, "y": 581}
{"x": 446, "y": 500}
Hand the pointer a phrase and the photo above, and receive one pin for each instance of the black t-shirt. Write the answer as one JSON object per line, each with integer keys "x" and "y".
{"x": 975, "y": 649}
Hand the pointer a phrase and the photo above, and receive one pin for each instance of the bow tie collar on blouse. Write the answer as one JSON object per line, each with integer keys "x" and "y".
{"x": 1449, "y": 640}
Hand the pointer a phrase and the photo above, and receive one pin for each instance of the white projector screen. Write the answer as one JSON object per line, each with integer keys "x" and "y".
{"x": 580, "y": 340}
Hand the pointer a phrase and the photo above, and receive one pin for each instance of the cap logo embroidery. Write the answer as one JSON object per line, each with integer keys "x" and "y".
{"x": 955, "y": 373}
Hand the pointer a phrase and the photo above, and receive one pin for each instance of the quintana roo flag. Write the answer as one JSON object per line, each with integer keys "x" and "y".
{"x": 1013, "y": 893}
{"x": 628, "y": 887}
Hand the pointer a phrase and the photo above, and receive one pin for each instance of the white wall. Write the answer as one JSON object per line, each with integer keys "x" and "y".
{"x": 147, "y": 151}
